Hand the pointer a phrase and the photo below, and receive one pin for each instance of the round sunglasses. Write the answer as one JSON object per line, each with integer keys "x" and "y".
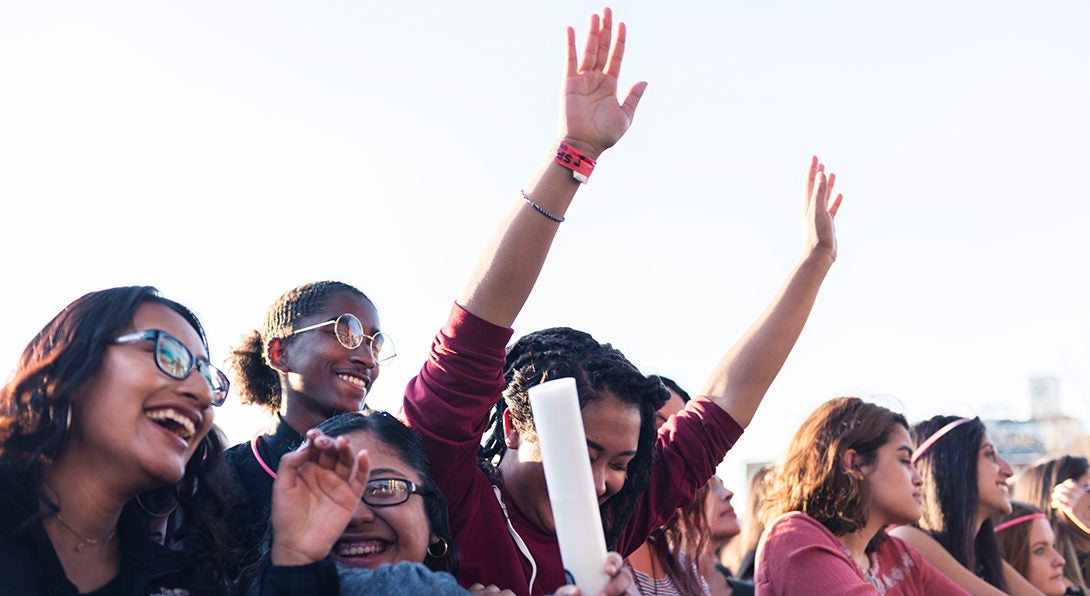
{"x": 176, "y": 361}
{"x": 349, "y": 332}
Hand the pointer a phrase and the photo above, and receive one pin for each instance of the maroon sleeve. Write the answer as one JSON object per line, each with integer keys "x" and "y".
{"x": 448, "y": 402}
{"x": 689, "y": 447}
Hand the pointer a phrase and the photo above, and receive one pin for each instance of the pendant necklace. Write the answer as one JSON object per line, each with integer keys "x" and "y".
{"x": 84, "y": 542}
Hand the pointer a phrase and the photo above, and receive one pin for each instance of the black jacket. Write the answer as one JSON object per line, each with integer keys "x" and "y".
{"x": 29, "y": 565}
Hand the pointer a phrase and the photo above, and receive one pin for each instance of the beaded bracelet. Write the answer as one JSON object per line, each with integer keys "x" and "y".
{"x": 540, "y": 209}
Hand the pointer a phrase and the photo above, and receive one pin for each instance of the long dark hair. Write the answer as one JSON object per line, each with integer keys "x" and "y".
{"x": 1034, "y": 486}
{"x": 950, "y": 496}
{"x": 812, "y": 478}
{"x": 404, "y": 442}
{"x": 255, "y": 381}
{"x": 57, "y": 364}
{"x": 597, "y": 368}
{"x": 687, "y": 533}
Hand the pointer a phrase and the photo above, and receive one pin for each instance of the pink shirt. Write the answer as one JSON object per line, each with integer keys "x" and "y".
{"x": 798, "y": 555}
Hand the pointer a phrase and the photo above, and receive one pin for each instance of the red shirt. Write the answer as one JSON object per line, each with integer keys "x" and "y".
{"x": 448, "y": 404}
{"x": 798, "y": 555}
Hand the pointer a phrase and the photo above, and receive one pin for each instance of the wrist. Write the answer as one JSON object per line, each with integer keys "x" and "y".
{"x": 570, "y": 157}
{"x": 583, "y": 147}
{"x": 285, "y": 557}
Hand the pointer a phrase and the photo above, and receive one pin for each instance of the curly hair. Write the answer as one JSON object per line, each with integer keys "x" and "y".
{"x": 950, "y": 496}
{"x": 597, "y": 369}
{"x": 1034, "y": 486}
{"x": 59, "y": 362}
{"x": 813, "y": 479}
{"x": 256, "y": 382}
{"x": 406, "y": 444}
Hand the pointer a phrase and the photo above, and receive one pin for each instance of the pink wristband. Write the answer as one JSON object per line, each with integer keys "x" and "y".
{"x": 580, "y": 165}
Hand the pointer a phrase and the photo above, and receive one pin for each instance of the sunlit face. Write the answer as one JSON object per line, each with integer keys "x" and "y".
{"x": 893, "y": 482}
{"x": 612, "y": 430}
{"x": 718, "y": 511}
{"x": 133, "y": 420}
{"x": 378, "y": 535}
{"x": 613, "y": 436}
{"x": 324, "y": 377}
{"x": 1045, "y": 566}
{"x": 673, "y": 405}
{"x": 992, "y": 473}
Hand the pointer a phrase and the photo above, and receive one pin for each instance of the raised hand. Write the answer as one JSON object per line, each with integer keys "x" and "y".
{"x": 591, "y": 119}
{"x": 821, "y": 211}
{"x": 316, "y": 492}
{"x": 1073, "y": 500}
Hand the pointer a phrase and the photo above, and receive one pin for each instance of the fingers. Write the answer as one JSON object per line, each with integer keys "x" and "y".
{"x": 605, "y": 39}
{"x": 590, "y": 48}
{"x": 572, "y": 64}
{"x": 613, "y": 64}
{"x": 363, "y": 473}
{"x": 835, "y": 206}
{"x": 814, "y": 164}
{"x": 633, "y": 99}
{"x": 820, "y": 195}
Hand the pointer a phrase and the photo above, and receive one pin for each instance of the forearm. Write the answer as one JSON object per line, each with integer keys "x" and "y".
{"x": 509, "y": 267}
{"x": 742, "y": 377}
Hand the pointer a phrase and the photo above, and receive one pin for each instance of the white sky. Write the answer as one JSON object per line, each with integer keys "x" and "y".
{"x": 228, "y": 151}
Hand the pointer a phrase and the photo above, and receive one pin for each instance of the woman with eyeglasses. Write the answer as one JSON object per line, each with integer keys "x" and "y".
{"x": 387, "y": 534}
{"x": 107, "y": 417}
{"x": 473, "y": 388}
{"x": 317, "y": 355}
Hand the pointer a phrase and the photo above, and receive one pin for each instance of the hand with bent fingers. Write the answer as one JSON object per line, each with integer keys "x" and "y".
{"x": 315, "y": 494}
{"x": 618, "y": 582}
{"x": 1073, "y": 500}
{"x": 821, "y": 211}
{"x": 591, "y": 118}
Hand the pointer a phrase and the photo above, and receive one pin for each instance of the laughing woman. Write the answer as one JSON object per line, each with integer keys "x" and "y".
{"x": 110, "y": 407}
{"x": 317, "y": 355}
{"x": 964, "y": 486}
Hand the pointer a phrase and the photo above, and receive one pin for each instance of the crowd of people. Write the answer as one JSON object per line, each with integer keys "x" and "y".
{"x": 114, "y": 478}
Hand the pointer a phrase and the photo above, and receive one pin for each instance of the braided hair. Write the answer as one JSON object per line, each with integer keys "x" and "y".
{"x": 597, "y": 369}
{"x": 255, "y": 381}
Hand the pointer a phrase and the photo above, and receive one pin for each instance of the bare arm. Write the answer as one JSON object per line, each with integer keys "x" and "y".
{"x": 592, "y": 121}
{"x": 742, "y": 377}
{"x": 942, "y": 560}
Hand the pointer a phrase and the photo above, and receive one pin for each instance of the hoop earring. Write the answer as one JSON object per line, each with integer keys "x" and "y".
{"x": 442, "y": 544}
{"x": 156, "y": 514}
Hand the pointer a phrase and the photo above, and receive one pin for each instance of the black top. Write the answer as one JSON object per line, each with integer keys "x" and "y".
{"x": 29, "y": 565}
{"x": 252, "y": 492}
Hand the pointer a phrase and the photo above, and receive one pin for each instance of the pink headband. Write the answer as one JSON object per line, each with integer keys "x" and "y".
{"x": 1018, "y": 520}
{"x": 936, "y": 436}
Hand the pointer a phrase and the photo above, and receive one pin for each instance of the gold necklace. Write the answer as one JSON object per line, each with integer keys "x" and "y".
{"x": 84, "y": 542}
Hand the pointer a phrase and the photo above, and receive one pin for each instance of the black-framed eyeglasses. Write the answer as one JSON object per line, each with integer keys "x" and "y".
{"x": 349, "y": 332}
{"x": 387, "y": 492}
{"x": 176, "y": 361}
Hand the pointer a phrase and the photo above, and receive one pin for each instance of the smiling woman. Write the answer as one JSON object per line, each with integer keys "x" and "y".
{"x": 111, "y": 408}
{"x": 317, "y": 355}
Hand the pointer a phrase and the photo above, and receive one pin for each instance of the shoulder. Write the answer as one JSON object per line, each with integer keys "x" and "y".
{"x": 402, "y": 578}
{"x": 797, "y": 526}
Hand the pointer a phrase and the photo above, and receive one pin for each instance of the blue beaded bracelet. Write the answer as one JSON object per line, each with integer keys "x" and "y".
{"x": 540, "y": 209}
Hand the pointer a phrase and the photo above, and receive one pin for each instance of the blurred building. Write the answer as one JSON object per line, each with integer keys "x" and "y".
{"x": 1048, "y": 432}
